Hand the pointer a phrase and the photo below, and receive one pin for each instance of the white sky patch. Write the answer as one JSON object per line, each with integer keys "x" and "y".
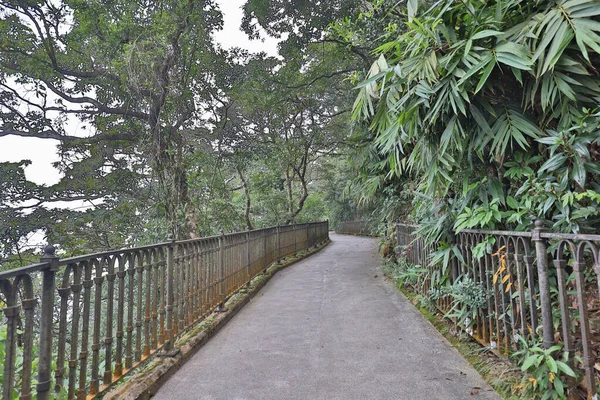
{"x": 232, "y": 36}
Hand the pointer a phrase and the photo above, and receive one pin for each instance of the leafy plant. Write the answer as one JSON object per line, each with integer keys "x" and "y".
{"x": 404, "y": 273}
{"x": 489, "y": 107}
{"x": 468, "y": 298}
{"x": 548, "y": 371}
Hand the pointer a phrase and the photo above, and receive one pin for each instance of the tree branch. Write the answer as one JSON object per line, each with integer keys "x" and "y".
{"x": 51, "y": 134}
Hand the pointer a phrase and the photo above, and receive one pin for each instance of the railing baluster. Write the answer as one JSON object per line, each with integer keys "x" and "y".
{"x": 171, "y": 250}
{"x": 221, "y": 270}
{"x": 521, "y": 289}
{"x": 181, "y": 289}
{"x": 28, "y": 309}
{"x": 544, "y": 285}
{"x": 154, "y": 295}
{"x": 121, "y": 274}
{"x": 45, "y": 351}
{"x": 176, "y": 292}
{"x": 588, "y": 359}
{"x": 98, "y": 279}
{"x": 88, "y": 283}
{"x": 192, "y": 286}
{"x": 247, "y": 257}
{"x": 63, "y": 293}
{"x": 560, "y": 265}
{"x": 203, "y": 265}
{"x": 139, "y": 306}
{"x": 108, "y": 339}
{"x": 148, "y": 303}
{"x": 528, "y": 259}
{"x": 130, "y": 309}
{"x": 76, "y": 289}
{"x": 162, "y": 269}
{"x": 11, "y": 312}
{"x": 188, "y": 286}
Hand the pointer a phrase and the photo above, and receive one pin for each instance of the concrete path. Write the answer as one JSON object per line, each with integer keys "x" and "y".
{"x": 330, "y": 327}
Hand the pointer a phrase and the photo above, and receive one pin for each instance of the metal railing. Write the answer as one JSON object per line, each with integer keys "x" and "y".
{"x": 355, "y": 228}
{"x": 100, "y": 315}
{"x": 527, "y": 296}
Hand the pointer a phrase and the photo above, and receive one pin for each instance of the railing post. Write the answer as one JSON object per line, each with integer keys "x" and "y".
{"x": 455, "y": 265}
{"x": 542, "y": 267}
{"x": 265, "y": 250}
{"x": 295, "y": 239}
{"x": 278, "y": 245}
{"x": 47, "y": 308}
{"x": 247, "y": 258}
{"x": 170, "y": 293}
{"x": 223, "y": 294}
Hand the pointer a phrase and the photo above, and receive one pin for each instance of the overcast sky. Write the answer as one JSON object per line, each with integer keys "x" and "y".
{"x": 43, "y": 153}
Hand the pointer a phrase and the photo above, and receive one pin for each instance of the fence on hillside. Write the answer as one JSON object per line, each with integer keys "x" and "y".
{"x": 72, "y": 327}
{"x": 528, "y": 296}
{"x": 362, "y": 227}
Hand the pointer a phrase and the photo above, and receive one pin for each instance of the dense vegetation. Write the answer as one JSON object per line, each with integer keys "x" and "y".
{"x": 486, "y": 114}
{"x": 465, "y": 114}
{"x": 449, "y": 114}
{"x": 161, "y": 130}
{"x": 489, "y": 109}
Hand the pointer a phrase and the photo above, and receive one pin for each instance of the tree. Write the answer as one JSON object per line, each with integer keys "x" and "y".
{"x": 293, "y": 116}
{"x": 136, "y": 74}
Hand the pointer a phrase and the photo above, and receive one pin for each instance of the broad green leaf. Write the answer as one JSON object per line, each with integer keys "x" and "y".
{"x": 578, "y": 172}
{"x": 565, "y": 368}
{"x": 485, "y": 75}
{"x": 512, "y": 203}
{"x": 486, "y": 33}
{"x": 553, "y": 163}
{"x": 496, "y": 189}
{"x": 531, "y": 361}
{"x": 551, "y": 363}
{"x": 562, "y": 38}
{"x": 413, "y": 6}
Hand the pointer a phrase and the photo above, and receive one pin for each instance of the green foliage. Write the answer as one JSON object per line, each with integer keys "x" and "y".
{"x": 468, "y": 298}
{"x": 174, "y": 134}
{"x": 403, "y": 273}
{"x": 490, "y": 109}
{"x": 547, "y": 369}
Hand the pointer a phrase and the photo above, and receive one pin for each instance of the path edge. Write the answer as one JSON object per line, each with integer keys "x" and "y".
{"x": 145, "y": 383}
{"x": 465, "y": 345}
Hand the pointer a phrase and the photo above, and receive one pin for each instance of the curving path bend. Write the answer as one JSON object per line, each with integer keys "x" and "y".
{"x": 330, "y": 327}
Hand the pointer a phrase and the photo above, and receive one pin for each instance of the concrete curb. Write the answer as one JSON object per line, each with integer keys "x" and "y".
{"x": 146, "y": 383}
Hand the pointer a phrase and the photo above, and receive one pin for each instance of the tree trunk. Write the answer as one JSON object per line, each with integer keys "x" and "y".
{"x": 290, "y": 193}
{"x": 247, "y": 195}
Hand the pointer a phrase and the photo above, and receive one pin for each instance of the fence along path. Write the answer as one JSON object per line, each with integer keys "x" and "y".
{"x": 362, "y": 227}
{"x": 331, "y": 327}
{"x": 527, "y": 294}
{"x": 74, "y": 326}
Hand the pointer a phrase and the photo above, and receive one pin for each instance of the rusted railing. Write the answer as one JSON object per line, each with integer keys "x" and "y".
{"x": 355, "y": 228}
{"x": 527, "y": 296}
{"x": 72, "y": 327}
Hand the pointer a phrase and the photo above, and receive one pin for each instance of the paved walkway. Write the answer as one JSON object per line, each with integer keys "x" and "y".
{"x": 330, "y": 327}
